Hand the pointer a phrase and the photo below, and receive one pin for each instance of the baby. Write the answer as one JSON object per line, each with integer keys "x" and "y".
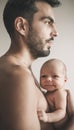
{"x": 53, "y": 76}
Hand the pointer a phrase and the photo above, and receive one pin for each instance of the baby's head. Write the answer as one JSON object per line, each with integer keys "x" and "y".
{"x": 53, "y": 75}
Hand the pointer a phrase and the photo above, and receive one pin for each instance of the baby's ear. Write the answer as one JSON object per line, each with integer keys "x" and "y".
{"x": 21, "y": 25}
{"x": 66, "y": 78}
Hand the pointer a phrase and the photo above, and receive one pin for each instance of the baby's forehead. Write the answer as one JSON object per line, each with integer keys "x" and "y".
{"x": 53, "y": 63}
{"x": 56, "y": 67}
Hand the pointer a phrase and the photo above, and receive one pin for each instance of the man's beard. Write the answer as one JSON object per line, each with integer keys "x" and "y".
{"x": 35, "y": 44}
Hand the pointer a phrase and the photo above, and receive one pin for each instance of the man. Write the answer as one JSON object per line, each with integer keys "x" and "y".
{"x": 31, "y": 26}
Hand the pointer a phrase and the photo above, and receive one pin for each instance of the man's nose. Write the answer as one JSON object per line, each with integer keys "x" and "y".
{"x": 54, "y": 32}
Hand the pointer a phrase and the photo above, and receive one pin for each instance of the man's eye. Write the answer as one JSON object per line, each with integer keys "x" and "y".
{"x": 48, "y": 22}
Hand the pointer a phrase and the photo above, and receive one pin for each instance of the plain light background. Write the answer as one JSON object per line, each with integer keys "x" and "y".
{"x": 63, "y": 47}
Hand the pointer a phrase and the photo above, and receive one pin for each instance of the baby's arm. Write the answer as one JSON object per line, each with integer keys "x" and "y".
{"x": 60, "y": 101}
{"x": 42, "y": 115}
{"x": 69, "y": 123}
{"x": 60, "y": 105}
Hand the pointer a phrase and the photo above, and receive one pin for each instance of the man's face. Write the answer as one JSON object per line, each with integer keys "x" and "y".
{"x": 42, "y": 31}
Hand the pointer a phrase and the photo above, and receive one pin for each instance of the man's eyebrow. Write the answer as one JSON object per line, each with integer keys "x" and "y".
{"x": 49, "y": 18}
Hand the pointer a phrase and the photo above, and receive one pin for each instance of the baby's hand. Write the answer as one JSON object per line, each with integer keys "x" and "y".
{"x": 42, "y": 115}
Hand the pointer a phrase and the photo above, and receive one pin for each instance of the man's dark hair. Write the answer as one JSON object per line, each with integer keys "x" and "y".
{"x": 22, "y": 8}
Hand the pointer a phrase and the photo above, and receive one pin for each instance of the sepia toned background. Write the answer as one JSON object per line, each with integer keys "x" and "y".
{"x": 63, "y": 47}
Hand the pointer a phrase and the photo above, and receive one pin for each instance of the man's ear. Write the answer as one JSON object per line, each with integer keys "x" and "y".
{"x": 21, "y": 25}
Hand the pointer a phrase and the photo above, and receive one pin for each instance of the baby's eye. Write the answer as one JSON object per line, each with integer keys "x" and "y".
{"x": 55, "y": 76}
{"x": 44, "y": 76}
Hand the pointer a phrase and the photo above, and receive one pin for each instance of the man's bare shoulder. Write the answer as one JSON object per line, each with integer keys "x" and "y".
{"x": 14, "y": 75}
{"x": 11, "y": 66}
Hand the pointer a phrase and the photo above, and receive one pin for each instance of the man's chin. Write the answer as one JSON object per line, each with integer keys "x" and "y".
{"x": 45, "y": 53}
{"x": 40, "y": 54}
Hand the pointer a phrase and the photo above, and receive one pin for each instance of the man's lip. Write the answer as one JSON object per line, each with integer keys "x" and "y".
{"x": 50, "y": 40}
{"x": 50, "y": 43}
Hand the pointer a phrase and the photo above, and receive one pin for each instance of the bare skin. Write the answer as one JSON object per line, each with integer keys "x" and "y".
{"x": 20, "y": 97}
{"x": 53, "y": 78}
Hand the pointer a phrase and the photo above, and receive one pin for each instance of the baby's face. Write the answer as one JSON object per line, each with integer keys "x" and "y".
{"x": 52, "y": 77}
